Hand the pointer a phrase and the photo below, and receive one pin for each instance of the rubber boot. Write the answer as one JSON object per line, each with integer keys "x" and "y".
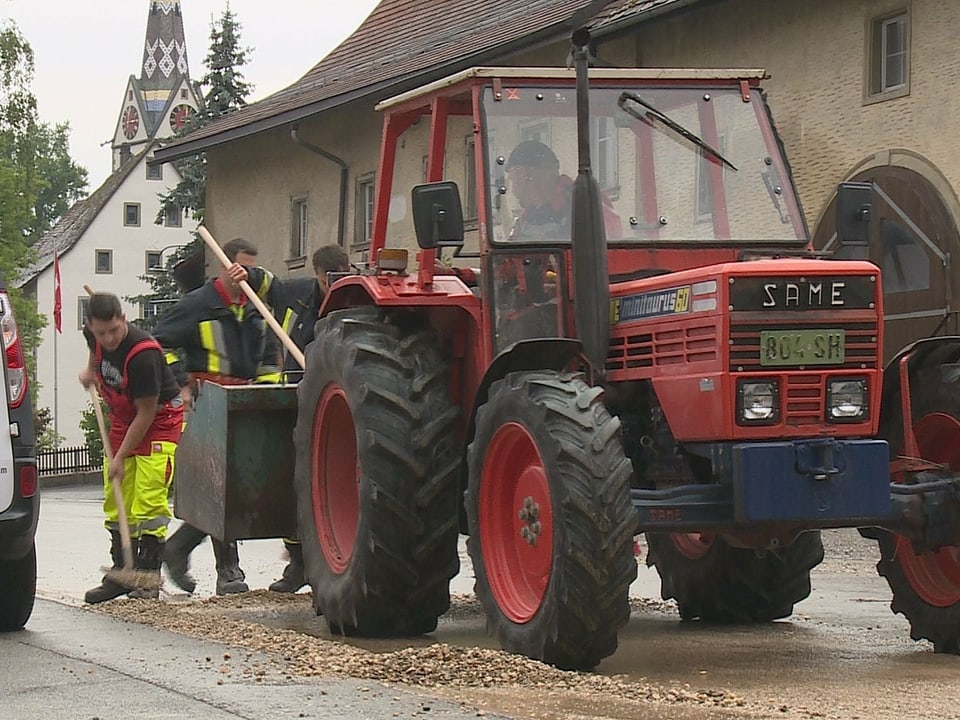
{"x": 108, "y": 589}
{"x": 176, "y": 556}
{"x": 293, "y": 578}
{"x": 149, "y": 558}
{"x": 230, "y": 578}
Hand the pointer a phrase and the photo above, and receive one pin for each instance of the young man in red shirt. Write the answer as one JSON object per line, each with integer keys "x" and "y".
{"x": 146, "y": 418}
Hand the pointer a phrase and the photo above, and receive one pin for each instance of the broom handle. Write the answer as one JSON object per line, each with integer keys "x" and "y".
{"x": 117, "y": 490}
{"x": 291, "y": 346}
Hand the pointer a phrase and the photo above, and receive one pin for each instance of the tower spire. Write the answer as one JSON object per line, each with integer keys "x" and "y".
{"x": 164, "y": 55}
{"x": 159, "y": 102}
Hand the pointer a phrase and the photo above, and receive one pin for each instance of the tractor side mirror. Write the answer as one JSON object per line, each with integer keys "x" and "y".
{"x": 854, "y": 213}
{"x": 437, "y": 215}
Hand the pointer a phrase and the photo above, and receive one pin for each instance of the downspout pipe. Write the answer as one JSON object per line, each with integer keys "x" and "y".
{"x": 344, "y": 174}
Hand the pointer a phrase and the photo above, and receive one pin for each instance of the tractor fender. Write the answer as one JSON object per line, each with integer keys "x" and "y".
{"x": 540, "y": 354}
{"x": 923, "y": 354}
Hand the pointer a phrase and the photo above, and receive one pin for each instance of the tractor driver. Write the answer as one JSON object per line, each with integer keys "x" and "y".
{"x": 545, "y": 196}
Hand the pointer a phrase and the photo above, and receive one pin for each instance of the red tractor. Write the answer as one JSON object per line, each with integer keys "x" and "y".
{"x": 663, "y": 354}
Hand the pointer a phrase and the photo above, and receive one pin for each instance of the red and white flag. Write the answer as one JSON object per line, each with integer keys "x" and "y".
{"x": 57, "y": 300}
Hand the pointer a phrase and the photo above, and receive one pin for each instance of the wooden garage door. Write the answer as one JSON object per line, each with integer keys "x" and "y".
{"x": 912, "y": 240}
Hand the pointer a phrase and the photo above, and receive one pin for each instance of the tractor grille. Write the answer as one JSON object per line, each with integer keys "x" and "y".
{"x": 860, "y": 354}
{"x": 804, "y": 391}
{"x": 667, "y": 346}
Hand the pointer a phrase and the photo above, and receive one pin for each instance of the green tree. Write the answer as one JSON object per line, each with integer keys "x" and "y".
{"x": 38, "y": 182}
{"x": 19, "y": 179}
{"x": 91, "y": 432}
{"x": 226, "y": 91}
{"x": 63, "y": 182}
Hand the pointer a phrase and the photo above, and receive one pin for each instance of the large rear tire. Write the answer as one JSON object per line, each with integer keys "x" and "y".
{"x": 716, "y": 582}
{"x": 18, "y": 589}
{"x": 550, "y": 517}
{"x": 376, "y": 475}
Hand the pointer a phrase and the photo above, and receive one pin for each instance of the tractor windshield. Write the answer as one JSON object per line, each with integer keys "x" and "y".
{"x": 674, "y": 164}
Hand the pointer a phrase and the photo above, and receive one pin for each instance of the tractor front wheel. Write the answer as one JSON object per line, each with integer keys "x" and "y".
{"x": 376, "y": 475}
{"x": 716, "y": 582}
{"x": 550, "y": 517}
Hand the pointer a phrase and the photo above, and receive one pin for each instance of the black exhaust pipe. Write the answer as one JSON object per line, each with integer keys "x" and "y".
{"x": 591, "y": 281}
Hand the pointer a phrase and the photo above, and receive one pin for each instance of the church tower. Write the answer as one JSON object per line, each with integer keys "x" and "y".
{"x": 158, "y": 103}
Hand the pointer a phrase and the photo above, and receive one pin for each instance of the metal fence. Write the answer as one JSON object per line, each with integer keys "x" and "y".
{"x": 66, "y": 460}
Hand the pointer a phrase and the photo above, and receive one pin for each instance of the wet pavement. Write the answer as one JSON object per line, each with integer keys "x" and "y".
{"x": 842, "y": 654}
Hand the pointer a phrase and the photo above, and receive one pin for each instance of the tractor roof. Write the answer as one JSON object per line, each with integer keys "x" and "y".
{"x": 534, "y": 74}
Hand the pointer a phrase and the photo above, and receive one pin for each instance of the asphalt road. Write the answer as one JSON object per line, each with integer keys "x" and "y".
{"x": 71, "y": 664}
{"x": 843, "y": 654}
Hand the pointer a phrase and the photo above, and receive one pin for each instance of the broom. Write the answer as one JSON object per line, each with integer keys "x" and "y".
{"x": 127, "y": 576}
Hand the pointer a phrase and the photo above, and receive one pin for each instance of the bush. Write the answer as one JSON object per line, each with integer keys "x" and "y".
{"x": 91, "y": 433}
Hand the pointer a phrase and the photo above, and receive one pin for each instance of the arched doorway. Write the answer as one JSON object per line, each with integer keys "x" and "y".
{"x": 913, "y": 236}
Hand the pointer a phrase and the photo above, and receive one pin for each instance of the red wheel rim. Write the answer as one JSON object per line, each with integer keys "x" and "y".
{"x": 693, "y": 546}
{"x": 335, "y": 478}
{"x": 516, "y": 523}
{"x": 935, "y": 577}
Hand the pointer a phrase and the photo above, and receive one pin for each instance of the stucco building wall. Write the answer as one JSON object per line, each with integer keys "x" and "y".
{"x": 816, "y": 55}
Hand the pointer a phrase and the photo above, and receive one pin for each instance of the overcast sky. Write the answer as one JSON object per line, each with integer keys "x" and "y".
{"x": 86, "y": 51}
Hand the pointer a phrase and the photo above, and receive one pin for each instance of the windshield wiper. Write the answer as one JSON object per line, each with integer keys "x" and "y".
{"x": 652, "y": 112}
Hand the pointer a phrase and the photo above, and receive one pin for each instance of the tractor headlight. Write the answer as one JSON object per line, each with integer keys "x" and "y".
{"x": 847, "y": 400}
{"x": 758, "y": 402}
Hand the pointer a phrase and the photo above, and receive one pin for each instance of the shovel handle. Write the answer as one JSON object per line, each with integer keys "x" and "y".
{"x": 117, "y": 490}
{"x": 289, "y": 344}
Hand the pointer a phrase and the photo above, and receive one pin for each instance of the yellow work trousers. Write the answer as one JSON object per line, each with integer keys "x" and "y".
{"x": 146, "y": 482}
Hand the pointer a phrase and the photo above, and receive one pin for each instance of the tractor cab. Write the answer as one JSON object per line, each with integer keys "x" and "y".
{"x": 688, "y": 165}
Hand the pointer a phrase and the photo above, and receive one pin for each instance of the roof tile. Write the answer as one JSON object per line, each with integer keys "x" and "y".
{"x": 404, "y": 43}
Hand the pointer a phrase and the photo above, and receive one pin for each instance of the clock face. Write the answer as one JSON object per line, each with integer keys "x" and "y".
{"x": 179, "y": 116}
{"x": 131, "y": 122}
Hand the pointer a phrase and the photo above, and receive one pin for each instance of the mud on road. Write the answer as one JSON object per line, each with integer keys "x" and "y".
{"x": 842, "y": 655}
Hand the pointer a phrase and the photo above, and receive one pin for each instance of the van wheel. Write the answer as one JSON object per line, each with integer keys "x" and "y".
{"x": 18, "y": 588}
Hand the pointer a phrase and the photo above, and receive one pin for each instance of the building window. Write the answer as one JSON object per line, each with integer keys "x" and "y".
{"x": 298, "y": 228}
{"x": 470, "y": 180}
{"x": 82, "y": 303}
{"x": 889, "y": 56}
{"x": 104, "y": 262}
{"x": 154, "y": 260}
{"x": 131, "y": 214}
{"x": 605, "y": 155}
{"x": 365, "y": 200}
{"x": 705, "y": 174}
{"x": 151, "y": 309}
{"x": 183, "y": 93}
{"x": 173, "y": 216}
{"x": 155, "y": 171}
{"x": 539, "y": 131}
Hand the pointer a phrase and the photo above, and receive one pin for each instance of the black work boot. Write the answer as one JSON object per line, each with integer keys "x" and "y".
{"x": 148, "y": 561}
{"x": 176, "y": 555}
{"x": 230, "y": 578}
{"x": 293, "y": 578}
{"x": 109, "y": 589}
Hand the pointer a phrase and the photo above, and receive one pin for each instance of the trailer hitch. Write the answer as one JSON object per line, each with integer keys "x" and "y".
{"x": 926, "y": 511}
{"x": 820, "y": 458}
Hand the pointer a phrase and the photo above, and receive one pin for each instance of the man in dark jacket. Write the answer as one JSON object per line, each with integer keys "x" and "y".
{"x": 224, "y": 340}
{"x": 296, "y": 305}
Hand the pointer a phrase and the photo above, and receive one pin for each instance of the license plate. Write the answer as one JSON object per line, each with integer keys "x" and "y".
{"x": 802, "y": 347}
